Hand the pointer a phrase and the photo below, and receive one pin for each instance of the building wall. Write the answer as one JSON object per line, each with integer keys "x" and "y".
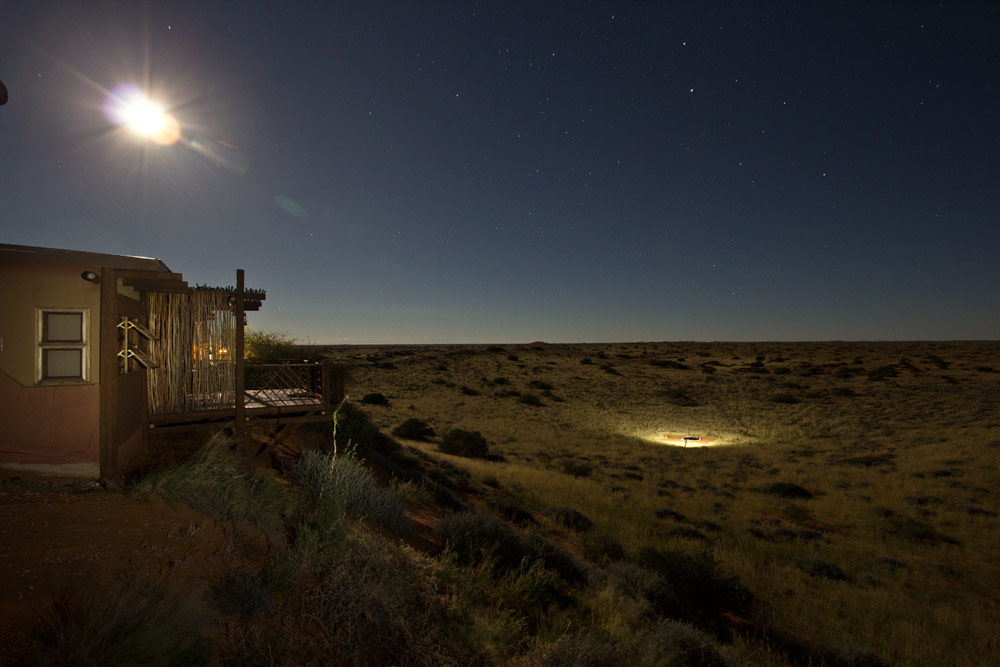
{"x": 55, "y": 423}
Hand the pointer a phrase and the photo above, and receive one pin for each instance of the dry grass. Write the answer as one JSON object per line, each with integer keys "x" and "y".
{"x": 899, "y": 444}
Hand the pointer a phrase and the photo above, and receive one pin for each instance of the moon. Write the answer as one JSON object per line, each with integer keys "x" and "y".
{"x": 147, "y": 119}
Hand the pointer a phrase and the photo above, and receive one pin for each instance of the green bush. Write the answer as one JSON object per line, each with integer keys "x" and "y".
{"x": 353, "y": 487}
{"x": 217, "y": 482}
{"x": 414, "y": 429}
{"x": 470, "y": 444}
{"x": 268, "y": 346}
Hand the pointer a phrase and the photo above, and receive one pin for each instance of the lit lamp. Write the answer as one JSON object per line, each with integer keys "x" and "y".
{"x": 91, "y": 276}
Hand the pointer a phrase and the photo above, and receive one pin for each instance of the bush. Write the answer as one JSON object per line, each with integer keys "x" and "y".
{"x": 217, "y": 482}
{"x": 414, "y": 429}
{"x": 240, "y": 593}
{"x": 468, "y": 391}
{"x": 352, "y": 486}
{"x": 785, "y": 398}
{"x": 788, "y": 490}
{"x": 121, "y": 626}
{"x": 475, "y": 537}
{"x": 576, "y": 468}
{"x": 530, "y": 399}
{"x": 510, "y": 509}
{"x": 570, "y": 518}
{"x": 470, "y": 444}
{"x": 599, "y": 547}
{"x": 693, "y": 589}
{"x": 375, "y": 398}
{"x": 268, "y": 346}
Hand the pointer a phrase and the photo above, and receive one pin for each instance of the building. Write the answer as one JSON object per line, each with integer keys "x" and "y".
{"x": 96, "y": 349}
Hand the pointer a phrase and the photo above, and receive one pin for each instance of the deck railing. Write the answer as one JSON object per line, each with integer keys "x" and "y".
{"x": 269, "y": 389}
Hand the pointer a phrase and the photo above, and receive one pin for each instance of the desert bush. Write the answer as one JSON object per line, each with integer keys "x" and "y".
{"x": 915, "y": 530}
{"x": 510, "y": 509}
{"x": 599, "y": 546}
{"x": 785, "y": 398}
{"x": 217, "y": 482}
{"x": 414, "y": 429}
{"x": 240, "y": 593}
{"x": 540, "y": 385}
{"x": 375, "y": 398}
{"x": 696, "y": 590}
{"x": 818, "y": 567}
{"x": 353, "y": 486}
{"x": 121, "y": 626}
{"x": 530, "y": 399}
{"x": 788, "y": 490}
{"x": 268, "y": 346}
{"x": 475, "y": 537}
{"x": 459, "y": 442}
{"x": 576, "y": 468}
{"x": 376, "y": 605}
{"x": 570, "y": 518}
{"x": 554, "y": 557}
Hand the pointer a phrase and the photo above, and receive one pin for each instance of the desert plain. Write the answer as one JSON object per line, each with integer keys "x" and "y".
{"x": 839, "y": 506}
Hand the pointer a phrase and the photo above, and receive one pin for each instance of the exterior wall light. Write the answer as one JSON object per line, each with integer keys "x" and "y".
{"x": 91, "y": 277}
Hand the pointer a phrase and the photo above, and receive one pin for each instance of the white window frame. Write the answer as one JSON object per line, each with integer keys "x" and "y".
{"x": 42, "y": 345}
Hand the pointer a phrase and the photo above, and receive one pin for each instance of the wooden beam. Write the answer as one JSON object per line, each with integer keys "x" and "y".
{"x": 147, "y": 275}
{"x": 108, "y": 378}
{"x": 147, "y": 285}
{"x": 240, "y": 342}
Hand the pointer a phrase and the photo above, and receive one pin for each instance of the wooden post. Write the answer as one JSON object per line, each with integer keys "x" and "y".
{"x": 240, "y": 380}
{"x": 108, "y": 378}
{"x": 327, "y": 388}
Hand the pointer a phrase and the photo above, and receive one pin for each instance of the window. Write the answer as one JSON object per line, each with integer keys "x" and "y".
{"x": 62, "y": 345}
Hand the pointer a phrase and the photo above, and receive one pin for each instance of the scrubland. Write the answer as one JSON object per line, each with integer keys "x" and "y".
{"x": 845, "y": 515}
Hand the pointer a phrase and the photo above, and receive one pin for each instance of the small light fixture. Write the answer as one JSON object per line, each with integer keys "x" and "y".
{"x": 91, "y": 277}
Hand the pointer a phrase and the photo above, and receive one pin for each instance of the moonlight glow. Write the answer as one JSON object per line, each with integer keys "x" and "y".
{"x": 129, "y": 107}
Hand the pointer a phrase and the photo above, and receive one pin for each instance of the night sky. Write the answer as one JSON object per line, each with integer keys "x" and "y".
{"x": 517, "y": 171}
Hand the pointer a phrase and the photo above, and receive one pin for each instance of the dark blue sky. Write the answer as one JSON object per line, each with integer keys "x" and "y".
{"x": 516, "y": 171}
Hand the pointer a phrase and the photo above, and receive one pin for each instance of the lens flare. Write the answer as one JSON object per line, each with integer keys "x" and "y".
{"x": 129, "y": 107}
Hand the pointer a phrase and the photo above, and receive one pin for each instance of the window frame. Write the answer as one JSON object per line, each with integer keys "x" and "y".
{"x": 42, "y": 346}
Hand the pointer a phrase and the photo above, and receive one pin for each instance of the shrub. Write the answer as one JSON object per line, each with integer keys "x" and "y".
{"x": 121, "y": 626}
{"x": 240, "y": 593}
{"x": 818, "y": 567}
{"x": 353, "y": 487}
{"x": 217, "y": 482}
{"x": 511, "y": 509}
{"x": 554, "y": 557}
{"x": 540, "y": 386}
{"x": 414, "y": 429}
{"x": 475, "y": 537}
{"x": 696, "y": 590}
{"x": 530, "y": 399}
{"x": 268, "y": 346}
{"x": 576, "y": 468}
{"x": 785, "y": 398}
{"x": 570, "y": 518}
{"x": 468, "y": 391}
{"x": 470, "y": 444}
{"x": 599, "y": 547}
{"x": 788, "y": 490}
{"x": 375, "y": 398}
